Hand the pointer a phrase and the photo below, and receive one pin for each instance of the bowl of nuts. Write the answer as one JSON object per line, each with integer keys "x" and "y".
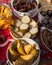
{"x": 25, "y": 7}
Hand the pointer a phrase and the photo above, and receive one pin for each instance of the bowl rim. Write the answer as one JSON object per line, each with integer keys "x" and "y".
{"x": 44, "y": 6}
{"x": 43, "y": 40}
{"x": 38, "y": 58}
{"x": 24, "y": 12}
{"x": 5, "y": 5}
{"x": 6, "y": 42}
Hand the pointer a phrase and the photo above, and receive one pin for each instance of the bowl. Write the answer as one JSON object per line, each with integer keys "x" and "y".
{"x": 43, "y": 31}
{"x": 31, "y": 13}
{"x": 3, "y": 4}
{"x": 24, "y": 27}
{"x": 43, "y": 17}
{"x": 30, "y": 41}
{"x": 5, "y": 16}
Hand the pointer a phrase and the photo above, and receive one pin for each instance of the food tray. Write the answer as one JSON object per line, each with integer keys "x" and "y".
{"x": 46, "y": 56}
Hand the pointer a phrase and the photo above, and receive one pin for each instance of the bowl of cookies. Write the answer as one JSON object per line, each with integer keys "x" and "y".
{"x": 23, "y": 51}
{"x": 25, "y": 27}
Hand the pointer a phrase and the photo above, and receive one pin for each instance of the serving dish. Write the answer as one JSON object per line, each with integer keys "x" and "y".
{"x": 31, "y": 42}
{"x": 31, "y": 13}
{"x": 46, "y": 37}
{"x": 24, "y": 28}
{"x": 45, "y": 15}
{"x": 5, "y": 16}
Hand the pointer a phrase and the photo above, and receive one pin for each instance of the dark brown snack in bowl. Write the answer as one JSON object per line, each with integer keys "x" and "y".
{"x": 47, "y": 38}
{"x": 20, "y": 1}
{"x": 22, "y": 9}
{"x": 24, "y": 6}
{"x": 33, "y": 4}
{"x": 47, "y": 20}
{"x": 46, "y": 13}
{"x": 28, "y": 6}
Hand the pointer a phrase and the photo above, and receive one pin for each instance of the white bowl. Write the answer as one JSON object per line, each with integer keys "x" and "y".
{"x": 30, "y": 41}
{"x": 31, "y": 13}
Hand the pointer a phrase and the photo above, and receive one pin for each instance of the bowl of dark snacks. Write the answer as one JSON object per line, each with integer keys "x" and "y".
{"x": 46, "y": 37}
{"x": 22, "y": 7}
{"x": 45, "y": 15}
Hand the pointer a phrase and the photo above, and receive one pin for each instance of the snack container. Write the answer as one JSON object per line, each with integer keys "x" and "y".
{"x": 31, "y": 13}
{"x": 43, "y": 8}
{"x": 29, "y": 41}
{"x": 6, "y": 6}
{"x": 42, "y": 29}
